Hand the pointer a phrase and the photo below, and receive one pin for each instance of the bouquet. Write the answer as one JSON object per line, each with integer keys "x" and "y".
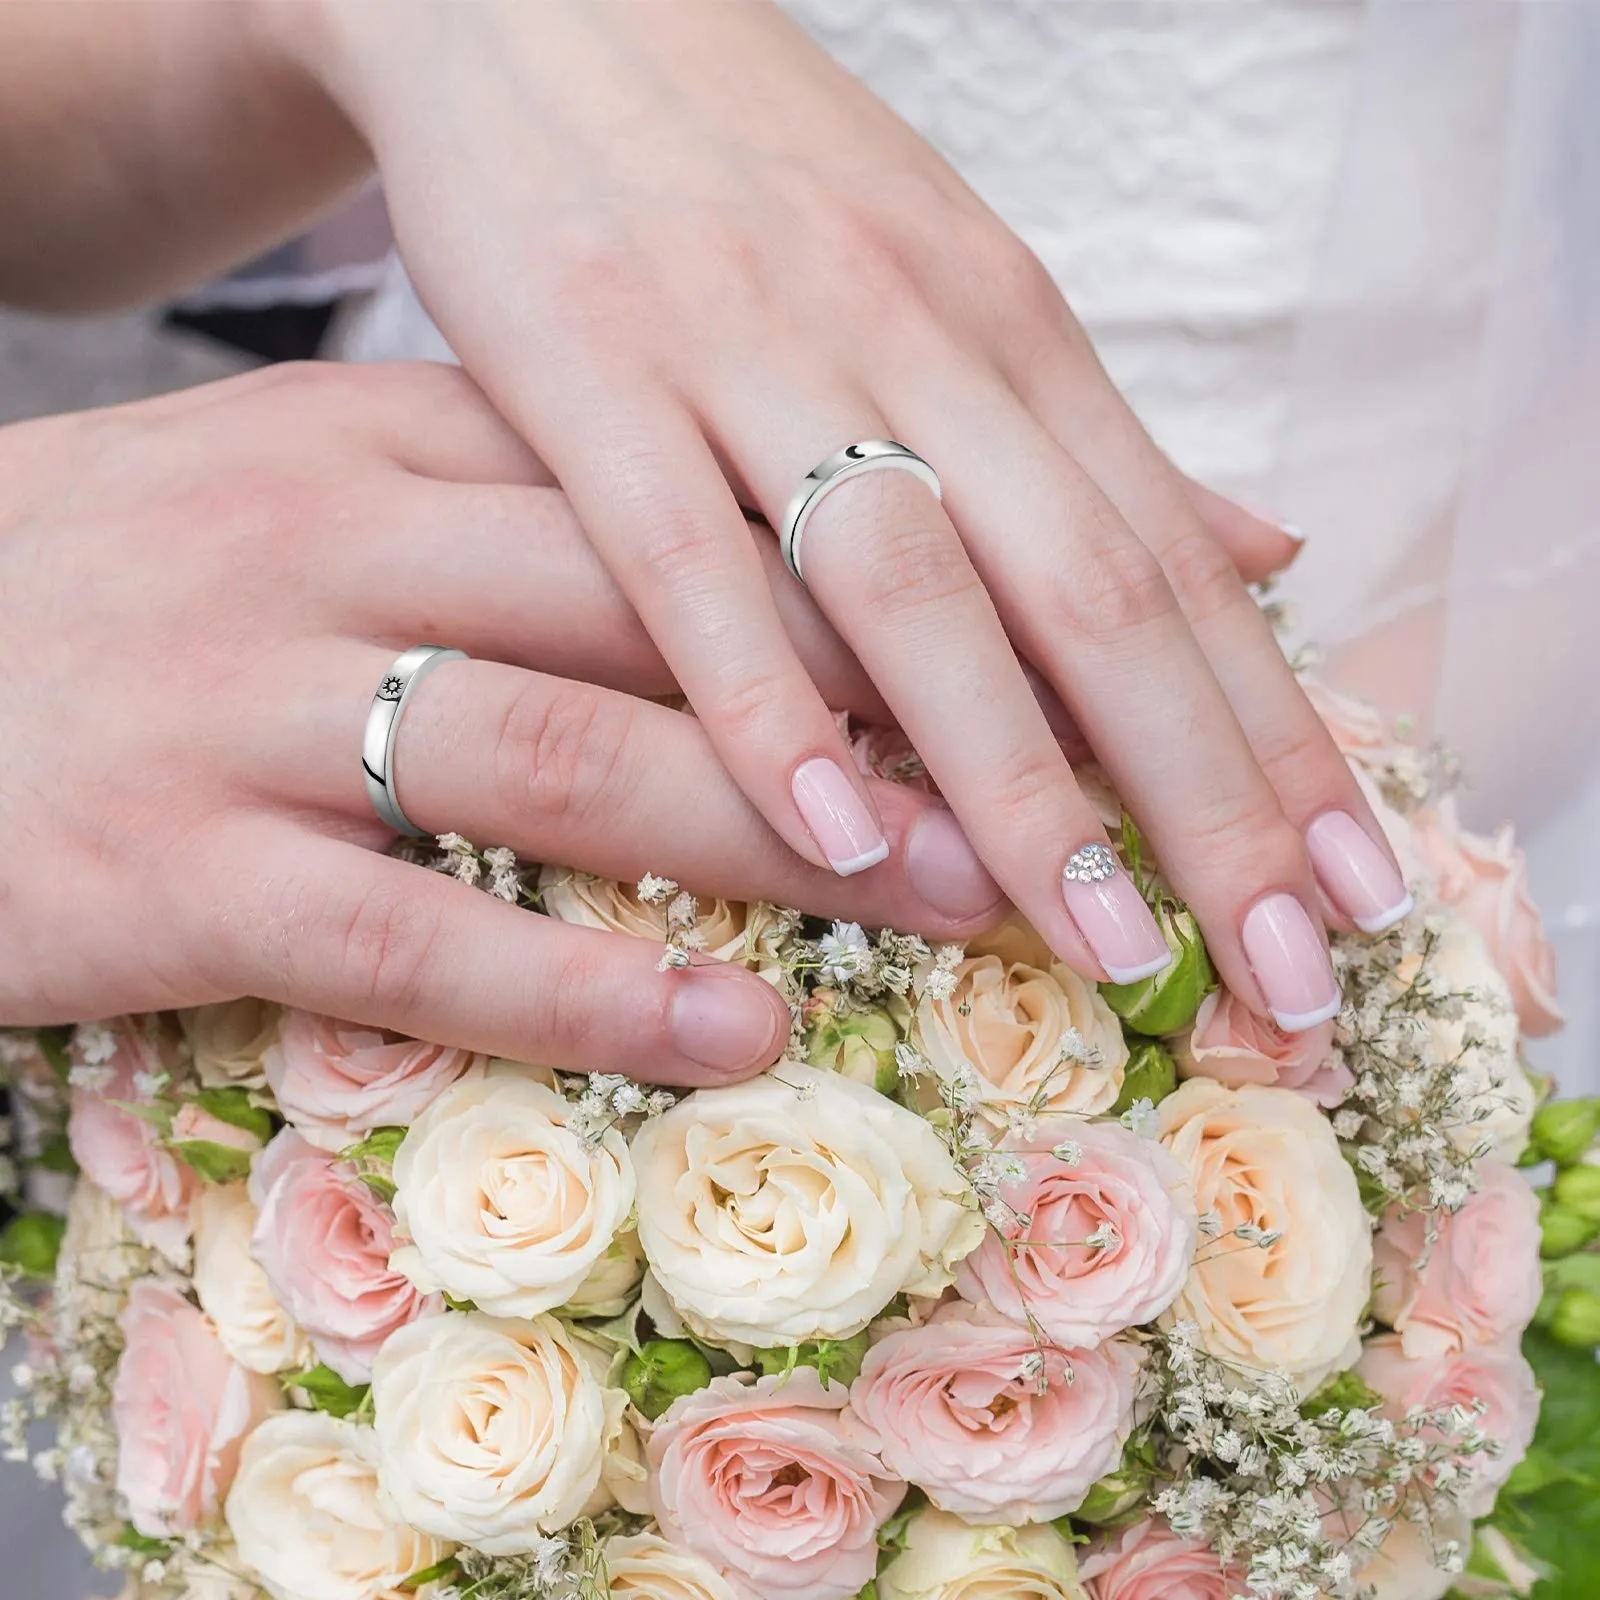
{"x": 999, "y": 1285}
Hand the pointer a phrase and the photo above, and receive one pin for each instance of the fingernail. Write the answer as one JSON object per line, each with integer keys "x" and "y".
{"x": 721, "y": 1020}
{"x": 1111, "y": 915}
{"x": 945, "y": 870}
{"x": 1289, "y": 961}
{"x": 837, "y": 817}
{"x": 1355, "y": 874}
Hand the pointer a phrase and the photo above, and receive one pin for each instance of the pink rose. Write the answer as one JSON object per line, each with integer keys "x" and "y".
{"x": 1116, "y": 1186}
{"x": 1232, "y": 1045}
{"x": 1480, "y": 1283}
{"x": 323, "y": 1239}
{"x": 957, "y": 1408}
{"x": 182, "y": 1408}
{"x": 766, "y": 1481}
{"x": 192, "y": 1121}
{"x": 336, "y": 1081}
{"x": 1496, "y": 1375}
{"x": 1150, "y": 1562}
{"x": 1486, "y": 880}
{"x": 123, "y": 1154}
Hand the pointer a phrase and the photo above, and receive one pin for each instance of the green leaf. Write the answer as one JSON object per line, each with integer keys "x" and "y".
{"x": 54, "y": 1046}
{"x": 381, "y": 1186}
{"x": 460, "y": 1305}
{"x": 1344, "y": 1391}
{"x": 234, "y": 1106}
{"x": 1133, "y": 850}
{"x": 448, "y": 1568}
{"x": 55, "y": 1155}
{"x": 159, "y": 1116}
{"x": 835, "y": 1360}
{"x": 379, "y": 1145}
{"x": 216, "y": 1163}
{"x": 32, "y": 1241}
{"x": 326, "y": 1390}
{"x": 893, "y": 1534}
{"x": 622, "y": 1331}
{"x": 140, "y": 1543}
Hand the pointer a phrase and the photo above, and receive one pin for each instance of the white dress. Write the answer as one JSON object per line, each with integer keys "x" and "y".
{"x": 1334, "y": 252}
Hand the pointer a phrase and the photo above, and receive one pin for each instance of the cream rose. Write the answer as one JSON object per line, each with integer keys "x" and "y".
{"x": 644, "y": 1566}
{"x": 1499, "y": 1098}
{"x": 229, "y": 1041}
{"x": 796, "y": 1206}
{"x": 613, "y": 1280}
{"x": 1267, "y": 1158}
{"x": 232, "y": 1287}
{"x": 731, "y": 930}
{"x": 100, "y": 1255}
{"x": 945, "y": 1559}
{"x": 307, "y": 1517}
{"x": 491, "y": 1433}
{"x": 1010, "y": 1022}
{"x": 499, "y": 1202}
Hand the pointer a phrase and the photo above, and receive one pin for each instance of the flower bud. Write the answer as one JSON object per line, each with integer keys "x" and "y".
{"x": 660, "y": 1370}
{"x": 1578, "y": 1189}
{"x": 1168, "y": 1001}
{"x": 1562, "y": 1230}
{"x": 1564, "y": 1129}
{"x": 31, "y": 1242}
{"x": 1119, "y": 1496}
{"x": 1576, "y": 1319}
{"x": 856, "y": 1044}
{"x": 1149, "y": 1075}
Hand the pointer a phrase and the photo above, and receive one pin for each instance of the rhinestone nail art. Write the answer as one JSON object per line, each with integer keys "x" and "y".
{"x": 1094, "y": 863}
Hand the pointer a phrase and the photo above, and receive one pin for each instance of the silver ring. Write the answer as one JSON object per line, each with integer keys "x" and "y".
{"x": 869, "y": 455}
{"x": 383, "y": 723}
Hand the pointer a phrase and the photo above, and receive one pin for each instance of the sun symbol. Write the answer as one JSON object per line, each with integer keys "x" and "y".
{"x": 391, "y": 688}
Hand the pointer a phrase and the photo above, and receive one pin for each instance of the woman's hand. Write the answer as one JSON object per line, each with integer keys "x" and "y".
{"x": 198, "y": 598}
{"x": 689, "y": 258}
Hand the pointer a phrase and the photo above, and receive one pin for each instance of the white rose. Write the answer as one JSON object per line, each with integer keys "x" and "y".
{"x": 492, "y": 1433}
{"x": 1497, "y": 1091}
{"x": 731, "y": 930}
{"x": 229, "y": 1041}
{"x": 613, "y": 1280}
{"x": 1037, "y": 1036}
{"x": 796, "y": 1206}
{"x": 500, "y": 1202}
{"x": 947, "y": 1559}
{"x": 646, "y": 1567}
{"x": 307, "y": 1516}
{"x": 1267, "y": 1158}
{"x": 232, "y": 1288}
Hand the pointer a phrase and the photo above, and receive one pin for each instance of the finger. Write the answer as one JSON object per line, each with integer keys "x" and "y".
{"x": 309, "y": 921}
{"x": 1355, "y": 867}
{"x": 506, "y": 572}
{"x": 891, "y": 574}
{"x": 651, "y": 497}
{"x": 1090, "y": 607}
{"x": 1259, "y": 549}
{"x": 567, "y": 772}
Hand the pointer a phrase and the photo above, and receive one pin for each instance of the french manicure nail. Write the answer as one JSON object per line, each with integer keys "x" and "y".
{"x": 1289, "y": 961}
{"x": 945, "y": 870}
{"x": 720, "y": 1020}
{"x": 837, "y": 817}
{"x": 1355, "y": 874}
{"x": 1111, "y": 915}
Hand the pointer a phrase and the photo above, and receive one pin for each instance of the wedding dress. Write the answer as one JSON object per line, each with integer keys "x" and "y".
{"x": 1343, "y": 257}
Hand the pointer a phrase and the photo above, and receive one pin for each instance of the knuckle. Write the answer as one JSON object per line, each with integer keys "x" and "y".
{"x": 573, "y": 1012}
{"x": 1299, "y": 757}
{"x": 907, "y": 563}
{"x": 757, "y": 709}
{"x": 1116, "y": 589}
{"x": 382, "y": 943}
{"x": 1243, "y": 840}
{"x": 1203, "y": 575}
{"x": 557, "y": 753}
{"x": 680, "y": 546}
{"x": 1036, "y": 785}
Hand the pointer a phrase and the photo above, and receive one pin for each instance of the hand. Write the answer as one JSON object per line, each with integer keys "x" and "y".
{"x": 689, "y": 258}
{"x": 198, "y": 597}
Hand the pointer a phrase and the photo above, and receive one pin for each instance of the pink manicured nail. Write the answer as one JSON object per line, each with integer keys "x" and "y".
{"x": 945, "y": 870}
{"x": 837, "y": 817}
{"x": 1112, "y": 917}
{"x": 1355, "y": 874}
{"x": 721, "y": 1021}
{"x": 1290, "y": 963}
